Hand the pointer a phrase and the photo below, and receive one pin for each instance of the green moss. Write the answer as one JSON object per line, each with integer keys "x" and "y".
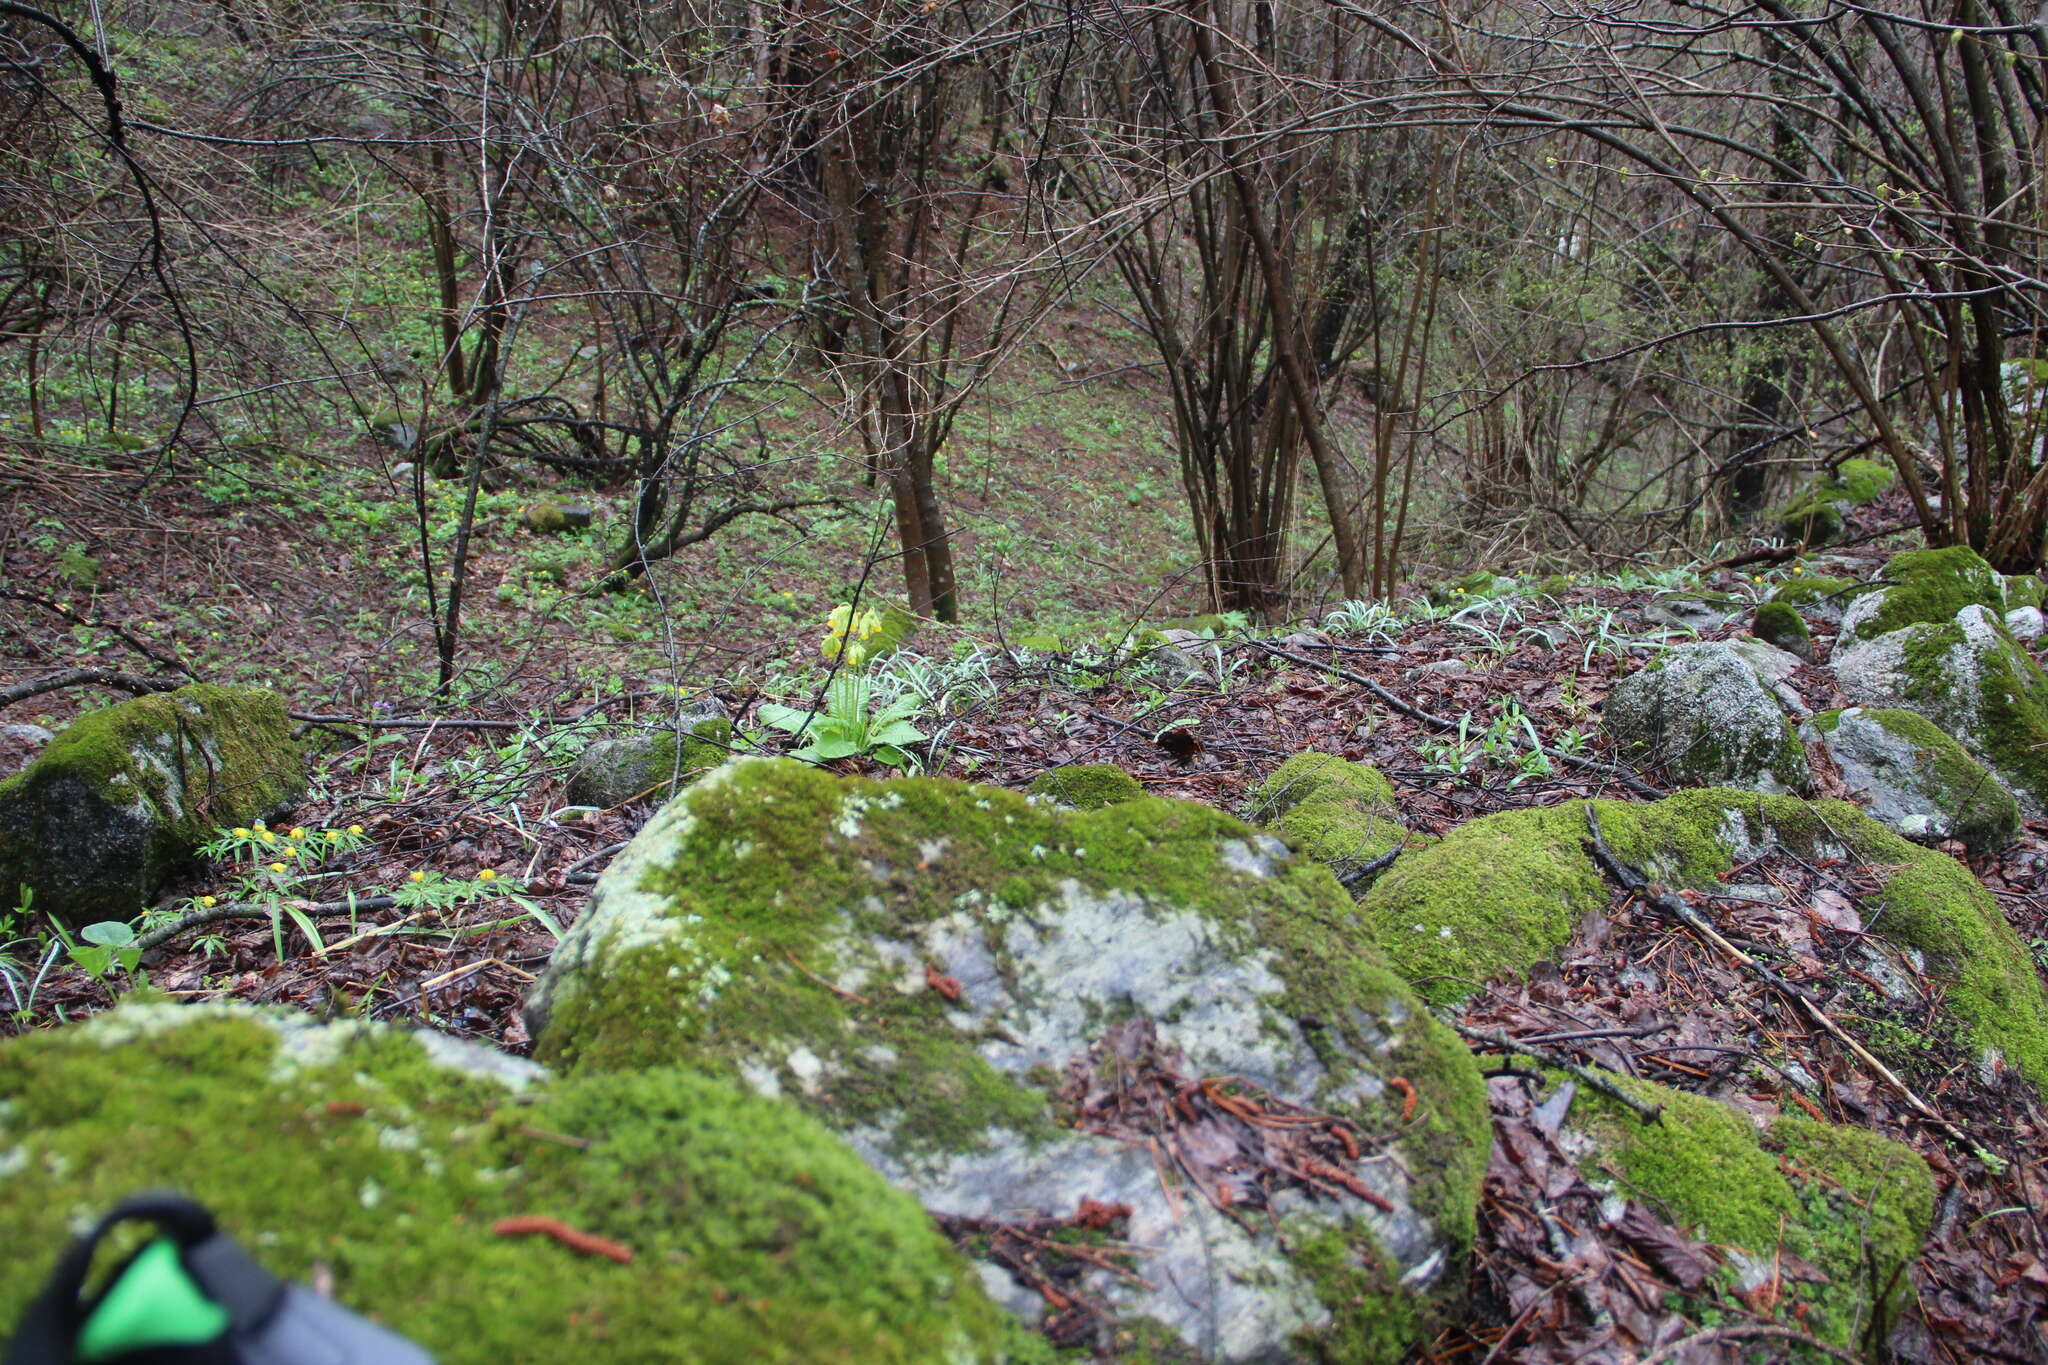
{"x": 772, "y": 875}
{"x": 1504, "y": 892}
{"x": 123, "y": 796}
{"x": 2011, "y": 701}
{"x": 1931, "y": 586}
{"x": 2024, "y": 590}
{"x": 1779, "y": 623}
{"x": 1800, "y": 592}
{"x": 1863, "y": 481}
{"x": 1087, "y": 786}
{"x": 1977, "y": 806}
{"x": 1810, "y": 520}
{"x": 756, "y": 1235}
{"x": 1851, "y": 1203}
{"x": 1318, "y": 776}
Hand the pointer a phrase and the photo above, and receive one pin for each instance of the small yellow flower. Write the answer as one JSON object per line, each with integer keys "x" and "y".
{"x": 416, "y": 877}
{"x": 487, "y": 875}
{"x": 208, "y": 902}
{"x": 241, "y": 833}
{"x": 355, "y": 829}
{"x": 266, "y": 836}
{"x": 298, "y": 833}
{"x": 277, "y": 867}
{"x": 836, "y": 623}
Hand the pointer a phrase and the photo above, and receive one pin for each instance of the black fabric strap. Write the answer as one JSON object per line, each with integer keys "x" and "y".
{"x": 49, "y": 1330}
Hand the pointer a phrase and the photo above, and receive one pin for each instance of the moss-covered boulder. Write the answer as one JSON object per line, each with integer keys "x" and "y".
{"x": 548, "y": 517}
{"x": 1912, "y": 778}
{"x": 1780, "y": 624}
{"x": 1973, "y": 680}
{"x": 1815, "y": 517}
{"x": 997, "y": 1002}
{"x": 384, "y": 1158}
{"x": 649, "y": 767}
{"x": 1087, "y": 786}
{"x": 1339, "y": 813}
{"x": 124, "y": 796}
{"x": 1820, "y": 598}
{"x": 1923, "y": 587}
{"x": 1702, "y": 714}
{"x": 1506, "y": 891}
{"x": 1852, "y": 1204}
{"x": 2024, "y": 590}
{"x": 1699, "y": 612}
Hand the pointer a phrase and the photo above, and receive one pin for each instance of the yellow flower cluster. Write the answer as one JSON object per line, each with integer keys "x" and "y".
{"x": 847, "y": 635}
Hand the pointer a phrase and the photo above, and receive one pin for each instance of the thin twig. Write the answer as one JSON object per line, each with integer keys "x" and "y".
{"x": 1602, "y": 1082}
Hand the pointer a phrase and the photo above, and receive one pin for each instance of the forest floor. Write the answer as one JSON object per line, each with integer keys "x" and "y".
{"x": 467, "y": 802}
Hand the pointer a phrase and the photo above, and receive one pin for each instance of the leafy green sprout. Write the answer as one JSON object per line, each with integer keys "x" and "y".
{"x": 850, "y": 726}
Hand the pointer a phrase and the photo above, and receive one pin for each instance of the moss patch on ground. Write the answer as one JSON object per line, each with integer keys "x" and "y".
{"x": 1339, "y": 813}
{"x": 1851, "y": 1203}
{"x": 1807, "y": 592}
{"x": 1504, "y": 892}
{"x": 124, "y": 796}
{"x": 756, "y": 1235}
{"x": 1780, "y": 624}
{"x": 1087, "y": 786}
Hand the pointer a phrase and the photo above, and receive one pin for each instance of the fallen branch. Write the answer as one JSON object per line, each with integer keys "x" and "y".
{"x": 87, "y": 677}
{"x": 219, "y": 914}
{"x": 1600, "y": 1081}
{"x": 1436, "y": 722}
{"x": 1356, "y": 875}
{"x": 1675, "y": 908}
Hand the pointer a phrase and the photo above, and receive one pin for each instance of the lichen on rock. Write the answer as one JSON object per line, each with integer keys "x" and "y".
{"x": 381, "y": 1159}
{"x": 919, "y": 962}
{"x": 1913, "y": 778}
{"x": 1087, "y": 786}
{"x": 1703, "y": 714}
{"x": 124, "y": 796}
{"x": 1506, "y": 891}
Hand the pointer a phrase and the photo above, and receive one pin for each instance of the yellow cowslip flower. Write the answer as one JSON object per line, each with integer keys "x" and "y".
{"x": 266, "y": 836}
{"x": 870, "y": 624}
{"x": 277, "y": 867}
{"x": 836, "y": 623}
{"x": 856, "y": 655}
{"x": 208, "y": 902}
{"x": 487, "y": 875}
{"x": 241, "y": 834}
{"x": 416, "y": 876}
{"x": 298, "y": 832}
{"x": 355, "y": 829}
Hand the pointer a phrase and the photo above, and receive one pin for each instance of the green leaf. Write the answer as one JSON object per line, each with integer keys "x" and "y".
{"x": 835, "y": 746}
{"x": 108, "y": 933}
{"x": 896, "y": 732}
{"x": 784, "y": 717}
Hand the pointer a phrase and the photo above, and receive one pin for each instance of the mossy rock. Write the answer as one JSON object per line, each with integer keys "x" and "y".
{"x": 1923, "y": 587}
{"x": 381, "y": 1159}
{"x": 1851, "y": 1203}
{"x": 1780, "y": 624}
{"x": 927, "y": 965}
{"x": 548, "y": 517}
{"x": 1973, "y": 680}
{"x": 652, "y": 767}
{"x": 1087, "y": 786}
{"x": 1816, "y": 516}
{"x": 1913, "y": 778}
{"x": 2024, "y": 590}
{"x": 124, "y": 796}
{"x": 1506, "y": 891}
{"x": 1702, "y": 714}
{"x": 1341, "y": 814}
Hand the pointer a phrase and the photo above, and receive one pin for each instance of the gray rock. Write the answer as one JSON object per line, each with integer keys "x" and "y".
{"x": 1689, "y": 611}
{"x": 124, "y": 796}
{"x": 19, "y": 744}
{"x": 1911, "y": 777}
{"x": 1701, "y": 713}
{"x": 1970, "y": 678}
{"x": 1438, "y": 668}
{"x": 651, "y": 766}
{"x": 945, "y": 973}
{"x": 2026, "y": 624}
